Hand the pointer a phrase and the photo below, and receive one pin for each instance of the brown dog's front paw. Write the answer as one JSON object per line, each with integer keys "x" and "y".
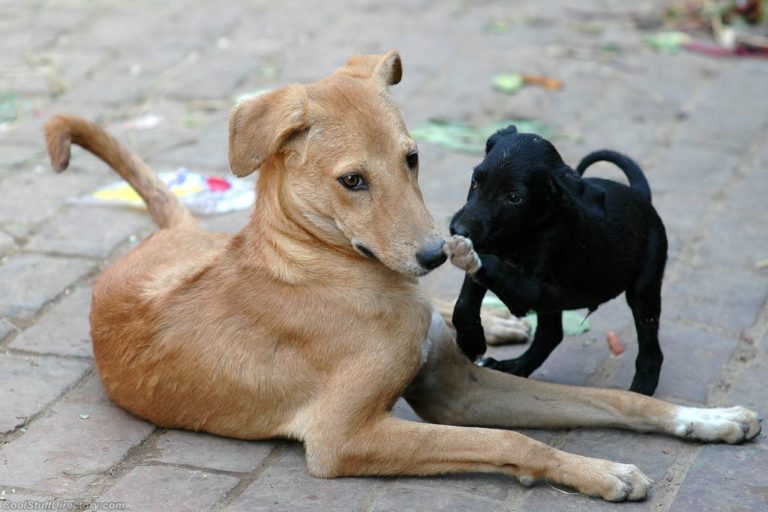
{"x": 608, "y": 480}
{"x": 459, "y": 249}
{"x": 505, "y": 331}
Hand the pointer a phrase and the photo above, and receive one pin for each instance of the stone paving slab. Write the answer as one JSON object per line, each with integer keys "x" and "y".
{"x": 286, "y": 486}
{"x": 207, "y": 451}
{"x": 163, "y": 488}
{"x": 65, "y": 451}
{"x": 697, "y": 125}
{"x": 725, "y": 478}
{"x": 28, "y": 281}
{"x": 28, "y": 384}
{"x": 63, "y": 330}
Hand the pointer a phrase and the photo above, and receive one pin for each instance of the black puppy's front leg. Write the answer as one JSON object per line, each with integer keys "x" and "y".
{"x": 549, "y": 334}
{"x": 466, "y": 319}
{"x": 520, "y": 293}
{"x": 517, "y": 291}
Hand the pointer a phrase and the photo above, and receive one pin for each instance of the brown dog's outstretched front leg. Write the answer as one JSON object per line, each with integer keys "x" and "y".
{"x": 392, "y": 446}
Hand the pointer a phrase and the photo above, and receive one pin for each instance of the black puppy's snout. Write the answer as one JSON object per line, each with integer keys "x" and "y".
{"x": 458, "y": 228}
{"x": 431, "y": 256}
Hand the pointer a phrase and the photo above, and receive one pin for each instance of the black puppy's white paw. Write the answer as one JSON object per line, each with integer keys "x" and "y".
{"x": 459, "y": 249}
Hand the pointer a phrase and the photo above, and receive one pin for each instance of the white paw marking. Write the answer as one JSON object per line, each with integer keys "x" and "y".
{"x": 730, "y": 425}
{"x": 459, "y": 249}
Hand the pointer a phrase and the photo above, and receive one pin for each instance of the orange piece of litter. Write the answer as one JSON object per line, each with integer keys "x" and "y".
{"x": 614, "y": 344}
{"x": 543, "y": 81}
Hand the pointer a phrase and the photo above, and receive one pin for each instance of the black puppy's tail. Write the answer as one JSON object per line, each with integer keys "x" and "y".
{"x": 631, "y": 169}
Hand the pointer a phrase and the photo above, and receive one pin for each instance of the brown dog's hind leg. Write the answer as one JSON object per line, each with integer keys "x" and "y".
{"x": 451, "y": 390}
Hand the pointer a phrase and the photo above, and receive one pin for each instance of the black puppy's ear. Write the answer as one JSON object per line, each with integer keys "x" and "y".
{"x": 510, "y": 130}
{"x": 563, "y": 184}
{"x": 493, "y": 139}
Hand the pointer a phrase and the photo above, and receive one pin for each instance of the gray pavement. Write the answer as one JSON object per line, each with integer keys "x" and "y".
{"x": 698, "y": 125}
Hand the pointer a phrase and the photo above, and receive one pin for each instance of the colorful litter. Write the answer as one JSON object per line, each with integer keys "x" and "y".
{"x": 614, "y": 344}
{"x": 464, "y": 138}
{"x": 510, "y": 83}
{"x": 733, "y": 28}
{"x": 204, "y": 195}
{"x": 668, "y": 42}
{"x": 145, "y": 122}
{"x": 13, "y": 109}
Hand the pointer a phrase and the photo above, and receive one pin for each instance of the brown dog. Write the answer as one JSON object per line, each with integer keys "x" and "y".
{"x": 310, "y": 323}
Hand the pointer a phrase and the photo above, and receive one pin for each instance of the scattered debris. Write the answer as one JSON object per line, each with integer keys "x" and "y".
{"x": 737, "y": 28}
{"x": 268, "y": 71}
{"x": 464, "y": 138}
{"x": 614, "y": 344}
{"x": 202, "y": 194}
{"x": 553, "y": 84}
{"x": 12, "y": 110}
{"x": 761, "y": 264}
{"x": 145, "y": 122}
{"x": 85, "y": 416}
{"x": 497, "y": 26}
{"x": 510, "y": 83}
{"x": 668, "y": 42}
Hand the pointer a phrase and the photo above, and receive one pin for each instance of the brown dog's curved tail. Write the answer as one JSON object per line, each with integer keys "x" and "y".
{"x": 62, "y": 131}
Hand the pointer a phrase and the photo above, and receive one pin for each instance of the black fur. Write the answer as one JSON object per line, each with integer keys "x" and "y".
{"x": 550, "y": 240}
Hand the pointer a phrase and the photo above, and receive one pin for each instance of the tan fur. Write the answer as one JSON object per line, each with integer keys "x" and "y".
{"x": 286, "y": 330}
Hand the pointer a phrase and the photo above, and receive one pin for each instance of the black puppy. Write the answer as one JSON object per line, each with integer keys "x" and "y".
{"x": 549, "y": 240}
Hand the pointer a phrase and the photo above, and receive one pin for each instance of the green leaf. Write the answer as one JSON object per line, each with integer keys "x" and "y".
{"x": 508, "y": 83}
{"x": 464, "y": 138}
{"x": 668, "y": 42}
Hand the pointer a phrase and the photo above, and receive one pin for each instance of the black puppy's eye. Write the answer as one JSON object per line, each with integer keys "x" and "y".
{"x": 514, "y": 198}
{"x": 474, "y": 184}
{"x": 352, "y": 181}
{"x": 412, "y": 159}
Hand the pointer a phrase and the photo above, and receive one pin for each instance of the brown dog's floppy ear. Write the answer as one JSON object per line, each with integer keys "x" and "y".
{"x": 258, "y": 127}
{"x": 386, "y": 68}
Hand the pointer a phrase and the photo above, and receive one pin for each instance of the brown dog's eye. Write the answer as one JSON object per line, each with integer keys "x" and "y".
{"x": 352, "y": 181}
{"x": 412, "y": 159}
{"x": 514, "y": 198}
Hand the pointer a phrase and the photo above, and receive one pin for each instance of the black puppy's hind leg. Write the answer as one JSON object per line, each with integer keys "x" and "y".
{"x": 645, "y": 301}
{"x": 549, "y": 334}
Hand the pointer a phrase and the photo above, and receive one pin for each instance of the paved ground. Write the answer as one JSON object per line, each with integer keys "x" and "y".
{"x": 698, "y": 126}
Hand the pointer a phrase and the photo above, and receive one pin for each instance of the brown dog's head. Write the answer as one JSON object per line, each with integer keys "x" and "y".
{"x": 336, "y": 158}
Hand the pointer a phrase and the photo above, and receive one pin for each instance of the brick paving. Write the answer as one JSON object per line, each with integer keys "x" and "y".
{"x": 698, "y": 125}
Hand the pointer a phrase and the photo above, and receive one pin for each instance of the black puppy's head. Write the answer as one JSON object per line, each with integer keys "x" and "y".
{"x": 516, "y": 187}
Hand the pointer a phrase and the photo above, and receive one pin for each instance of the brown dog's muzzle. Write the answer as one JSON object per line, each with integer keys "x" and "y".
{"x": 431, "y": 256}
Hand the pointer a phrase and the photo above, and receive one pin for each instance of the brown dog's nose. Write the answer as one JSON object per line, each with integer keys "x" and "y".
{"x": 432, "y": 256}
